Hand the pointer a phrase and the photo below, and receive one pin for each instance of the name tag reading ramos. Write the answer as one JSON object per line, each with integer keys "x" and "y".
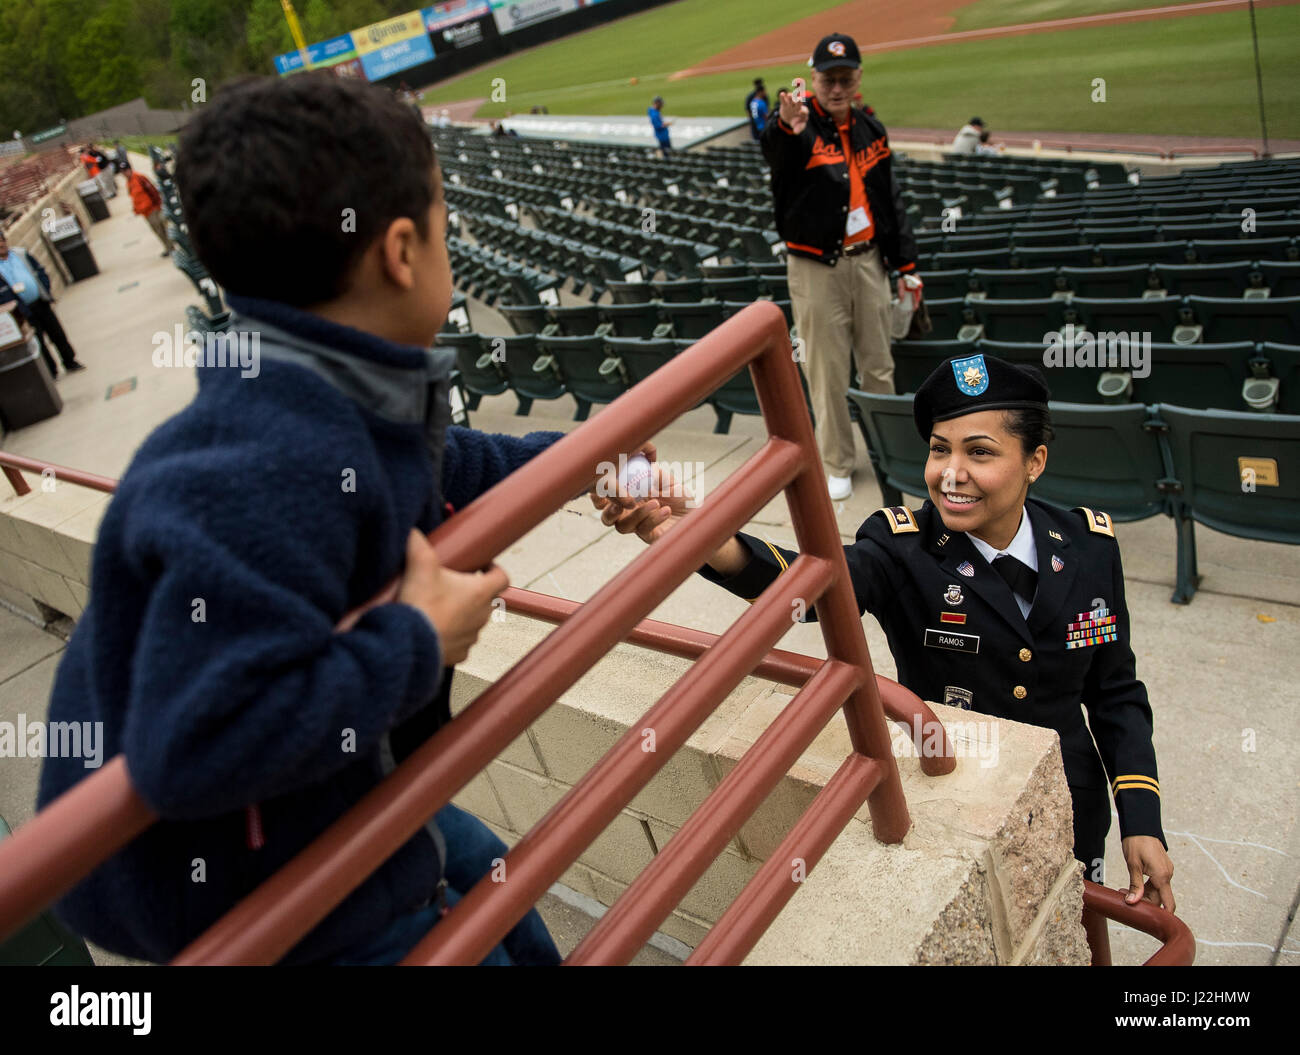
{"x": 955, "y": 642}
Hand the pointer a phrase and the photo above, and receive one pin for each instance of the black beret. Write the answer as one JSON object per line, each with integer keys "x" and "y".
{"x": 974, "y": 383}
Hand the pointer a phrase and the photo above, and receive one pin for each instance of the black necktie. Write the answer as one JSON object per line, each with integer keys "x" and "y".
{"x": 1019, "y": 577}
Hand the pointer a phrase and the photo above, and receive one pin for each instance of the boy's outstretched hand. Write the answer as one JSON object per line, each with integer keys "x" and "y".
{"x": 458, "y": 604}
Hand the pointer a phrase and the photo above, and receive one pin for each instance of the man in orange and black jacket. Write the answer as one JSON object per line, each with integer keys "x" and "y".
{"x": 836, "y": 197}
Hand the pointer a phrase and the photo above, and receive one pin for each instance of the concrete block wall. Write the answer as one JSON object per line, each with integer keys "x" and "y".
{"x": 985, "y": 875}
{"x": 46, "y": 540}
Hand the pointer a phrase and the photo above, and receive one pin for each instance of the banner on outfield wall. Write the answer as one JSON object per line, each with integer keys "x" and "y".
{"x": 511, "y": 15}
{"x": 326, "y": 53}
{"x": 458, "y": 24}
{"x": 393, "y": 45}
{"x": 452, "y": 13}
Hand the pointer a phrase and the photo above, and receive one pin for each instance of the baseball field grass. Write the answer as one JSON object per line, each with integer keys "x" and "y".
{"x": 1180, "y": 76}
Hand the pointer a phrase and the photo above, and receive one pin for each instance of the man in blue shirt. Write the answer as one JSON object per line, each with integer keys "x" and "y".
{"x": 756, "y": 108}
{"x": 23, "y": 280}
{"x": 659, "y": 124}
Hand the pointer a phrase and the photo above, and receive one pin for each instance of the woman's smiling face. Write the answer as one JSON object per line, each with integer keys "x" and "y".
{"x": 977, "y": 474}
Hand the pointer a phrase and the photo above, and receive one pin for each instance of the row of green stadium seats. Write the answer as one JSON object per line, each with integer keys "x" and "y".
{"x": 1235, "y": 473}
{"x": 648, "y": 319}
{"x": 1181, "y": 320}
{"x": 1241, "y": 375}
{"x": 593, "y": 369}
{"x": 1113, "y": 253}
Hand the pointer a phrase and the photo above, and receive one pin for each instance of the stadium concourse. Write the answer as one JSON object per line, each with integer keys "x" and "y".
{"x": 582, "y": 267}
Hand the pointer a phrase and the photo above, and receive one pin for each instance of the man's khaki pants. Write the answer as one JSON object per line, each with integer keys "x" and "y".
{"x": 842, "y": 315}
{"x": 159, "y": 225}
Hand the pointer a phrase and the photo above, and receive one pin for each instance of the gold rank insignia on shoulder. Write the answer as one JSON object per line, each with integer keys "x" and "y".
{"x": 1099, "y": 523}
{"x": 900, "y": 519}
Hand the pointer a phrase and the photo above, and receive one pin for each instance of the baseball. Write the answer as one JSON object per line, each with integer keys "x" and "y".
{"x": 634, "y": 476}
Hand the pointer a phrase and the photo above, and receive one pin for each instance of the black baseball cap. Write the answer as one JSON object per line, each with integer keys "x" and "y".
{"x": 838, "y": 49}
{"x": 972, "y": 383}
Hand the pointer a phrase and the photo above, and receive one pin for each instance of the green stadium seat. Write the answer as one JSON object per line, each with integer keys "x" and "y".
{"x": 1283, "y": 362}
{"x": 44, "y": 942}
{"x": 1024, "y": 238}
{"x": 914, "y": 361}
{"x": 733, "y": 270}
{"x": 778, "y": 286}
{"x": 1054, "y": 256}
{"x": 944, "y": 284}
{"x": 532, "y": 372}
{"x": 1211, "y": 229}
{"x": 1281, "y": 279}
{"x": 589, "y": 373}
{"x": 1164, "y": 252}
{"x": 1228, "y": 279}
{"x": 577, "y": 320}
{"x": 1237, "y": 473}
{"x": 1214, "y": 252}
{"x": 971, "y": 258}
{"x": 897, "y": 453}
{"x": 524, "y": 318}
{"x": 1288, "y": 227}
{"x": 948, "y": 315}
{"x": 1157, "y": 316}
{"x": 996, "y": 238}
{"x": 691, "y": 321}
{"x": 1271, "y": 319}
{"x": 632, "y": 320}
{"x": 1105, "y": 457}
{"x": 1127, "y": 280}
{"x": 480, "y": 373}
{"x": 681, "y": 291}
{"x": 743, "y": 287}
{"x": 1097, "y": 233}
{"x": 640, "y": 358}
{"x": 631, "y": 292}
{"x": 1196, "y": 375}
{"x": 1037, "y": 283}
{"x": 1019, "y": 320}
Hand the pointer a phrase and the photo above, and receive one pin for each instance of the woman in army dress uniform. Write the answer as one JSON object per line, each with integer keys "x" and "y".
{"x": 993, "y": 601}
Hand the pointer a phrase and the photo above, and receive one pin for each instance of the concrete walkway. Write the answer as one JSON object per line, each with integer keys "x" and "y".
{"x": 1219, "y": 670}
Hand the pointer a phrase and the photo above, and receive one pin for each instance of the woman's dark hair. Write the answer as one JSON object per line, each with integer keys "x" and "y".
{"x": 285, "y": 182}
{"x": 1031, "y": 425}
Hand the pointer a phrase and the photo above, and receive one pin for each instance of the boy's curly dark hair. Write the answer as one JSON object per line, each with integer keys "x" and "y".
{"x": 267, "y": 169}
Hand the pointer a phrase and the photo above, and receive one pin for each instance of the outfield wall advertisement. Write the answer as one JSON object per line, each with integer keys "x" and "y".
{"x": 326, "y": 53}
{"x": 393, "y": 45}
{"x": 511, "y": 15}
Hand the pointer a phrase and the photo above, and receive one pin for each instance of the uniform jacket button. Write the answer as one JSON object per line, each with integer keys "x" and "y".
{"x": 1020, "y": 692}
{"x": 1025, "y": 655}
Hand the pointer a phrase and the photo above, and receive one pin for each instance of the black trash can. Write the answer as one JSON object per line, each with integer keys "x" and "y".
{"x": 92, "y": 196}
{"x": 27, "y": 392}
{"x": 69, "y": 242}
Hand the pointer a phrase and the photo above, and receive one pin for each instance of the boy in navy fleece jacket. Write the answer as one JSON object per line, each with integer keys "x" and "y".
{"x": 283, "y": 496}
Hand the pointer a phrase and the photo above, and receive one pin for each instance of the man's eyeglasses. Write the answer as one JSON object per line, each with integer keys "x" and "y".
{"x": 838, "y": 82}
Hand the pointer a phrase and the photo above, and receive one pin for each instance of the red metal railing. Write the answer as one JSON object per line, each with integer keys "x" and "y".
{"x": 99, "y": 816}
{"x": 1178, "y": 946}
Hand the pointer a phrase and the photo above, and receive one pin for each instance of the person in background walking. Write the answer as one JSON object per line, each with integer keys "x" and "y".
{"x": 659, "y": 125}
{"x": 147, "y": 202}
{"x": 23, "y": 280}
{"x": 756, "y": 108}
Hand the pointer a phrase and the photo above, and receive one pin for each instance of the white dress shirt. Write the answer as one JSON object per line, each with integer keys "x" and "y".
{"x": 1022, "y": 547}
